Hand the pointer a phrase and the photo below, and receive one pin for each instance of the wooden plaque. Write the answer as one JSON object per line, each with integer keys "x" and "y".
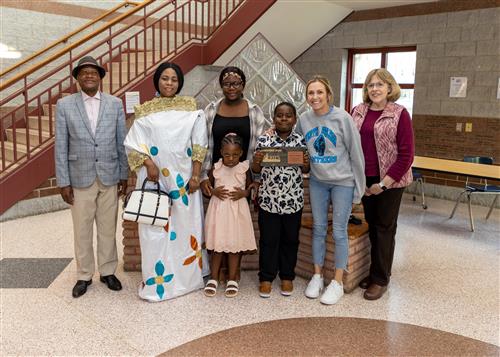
{"x": 283, "y": 156}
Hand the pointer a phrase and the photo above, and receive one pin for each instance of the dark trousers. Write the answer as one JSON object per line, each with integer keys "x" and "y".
{"x": 381, "y": 213}
{"x": 278, "y": 244}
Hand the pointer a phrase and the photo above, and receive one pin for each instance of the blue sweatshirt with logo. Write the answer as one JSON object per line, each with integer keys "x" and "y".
{"x": 334, "y": 146}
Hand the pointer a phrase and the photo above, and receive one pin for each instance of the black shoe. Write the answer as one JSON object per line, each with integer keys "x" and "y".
{"x": 354, "y": 220}
{"x": 365, "y": 283}
{"x": 80, "y": 287}
{"x": 112, "y": 282}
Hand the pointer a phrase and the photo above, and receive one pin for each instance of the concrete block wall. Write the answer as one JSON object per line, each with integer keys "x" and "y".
{"x": 453, "y": 44}
{"x": 449, "y": 44}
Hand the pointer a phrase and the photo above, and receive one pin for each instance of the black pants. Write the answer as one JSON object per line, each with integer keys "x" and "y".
{"x": 381, "y": 213}
{"x": 278, "y": 244}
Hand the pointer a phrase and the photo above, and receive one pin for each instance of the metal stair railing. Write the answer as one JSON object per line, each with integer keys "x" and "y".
{"x": 65, "y": 39}
{"x": 129, "y": 46}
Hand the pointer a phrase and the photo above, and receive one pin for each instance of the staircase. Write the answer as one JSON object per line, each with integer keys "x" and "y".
{"x": 189, "y": 32}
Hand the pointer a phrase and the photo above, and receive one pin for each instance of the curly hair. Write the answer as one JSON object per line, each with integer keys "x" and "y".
{"x": 286, "y": 104}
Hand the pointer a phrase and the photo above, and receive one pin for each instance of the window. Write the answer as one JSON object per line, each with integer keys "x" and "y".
{"x": 400, "y": 61}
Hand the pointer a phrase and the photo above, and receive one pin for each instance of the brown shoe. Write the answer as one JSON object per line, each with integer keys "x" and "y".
{"x": 265, "y": 288}
{"x": 365, "y": 283}
{"x": 286, "y": 287}
{"x": 374, "y": 292}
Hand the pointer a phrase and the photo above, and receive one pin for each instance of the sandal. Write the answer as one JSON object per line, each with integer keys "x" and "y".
{"x": 231, "y": 289}
{"x": 210, "y": 288}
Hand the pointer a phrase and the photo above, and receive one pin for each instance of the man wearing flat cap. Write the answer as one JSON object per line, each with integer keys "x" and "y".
{"x": 92, "y": 171}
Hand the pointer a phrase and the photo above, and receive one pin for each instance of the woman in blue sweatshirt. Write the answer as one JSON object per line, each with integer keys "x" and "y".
{"x": 337, "y": 176}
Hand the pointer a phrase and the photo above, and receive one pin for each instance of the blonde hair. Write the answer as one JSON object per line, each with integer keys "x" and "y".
{"x": 323, "y": 80}
{"x": 386, "y": 77}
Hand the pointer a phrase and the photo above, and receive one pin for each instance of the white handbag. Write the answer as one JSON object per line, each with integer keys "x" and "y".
{"x": 147, "y": 205}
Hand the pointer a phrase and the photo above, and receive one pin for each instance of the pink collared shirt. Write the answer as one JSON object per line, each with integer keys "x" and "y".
{"x": 92, "y": 105}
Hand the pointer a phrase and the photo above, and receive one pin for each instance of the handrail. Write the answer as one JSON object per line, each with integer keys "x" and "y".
{"x": 129, "y": 54}
{"x": 65, "y": 39}
{"x": 65, "y": 50}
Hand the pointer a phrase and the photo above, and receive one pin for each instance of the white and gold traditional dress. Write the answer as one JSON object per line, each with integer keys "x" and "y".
{"x": 172, "y": 133}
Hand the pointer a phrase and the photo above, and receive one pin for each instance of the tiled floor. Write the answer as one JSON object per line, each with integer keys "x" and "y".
{"x": 444, "y": 277}
{"x": 25, "y": 273}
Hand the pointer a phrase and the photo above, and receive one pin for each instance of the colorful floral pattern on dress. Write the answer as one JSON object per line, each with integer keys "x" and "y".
{"x": 197, "y": 253}
{"x": 159, "y": 279}
{"x": 182, "y": 192}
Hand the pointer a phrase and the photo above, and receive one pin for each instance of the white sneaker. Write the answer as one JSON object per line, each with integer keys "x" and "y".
{"x": 332, "y": 293}
{"x": 314, "y": 287}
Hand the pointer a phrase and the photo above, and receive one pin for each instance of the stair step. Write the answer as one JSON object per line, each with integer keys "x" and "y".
{"x": 21, "y": 136}
{"x": 131, "y": 57}
{"x": 9, "y": 150}
{"x": 7, "y": 163}
{"x": 46, "y": 107}
{"x": 116, "y": 70}
{"x": 33, "y": 121}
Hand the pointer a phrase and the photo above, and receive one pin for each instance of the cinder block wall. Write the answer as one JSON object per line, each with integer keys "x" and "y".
{"x": 456, "y": 43}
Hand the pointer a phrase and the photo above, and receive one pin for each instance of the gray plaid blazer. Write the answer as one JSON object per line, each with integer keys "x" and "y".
{"x": 81, "y": 156}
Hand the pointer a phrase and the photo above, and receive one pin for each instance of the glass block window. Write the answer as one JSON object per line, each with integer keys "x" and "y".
{"x": 270, "y": 79}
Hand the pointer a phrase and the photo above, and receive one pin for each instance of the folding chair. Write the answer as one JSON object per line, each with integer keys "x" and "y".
{"x": 480, "y": 188}
{"x": 419, "y": 179}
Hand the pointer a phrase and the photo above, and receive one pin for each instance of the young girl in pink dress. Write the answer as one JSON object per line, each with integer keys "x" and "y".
{"x": 228, "y": 224}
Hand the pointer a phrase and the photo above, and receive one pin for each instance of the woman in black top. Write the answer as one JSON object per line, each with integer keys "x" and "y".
{"x": 230, "y": 114}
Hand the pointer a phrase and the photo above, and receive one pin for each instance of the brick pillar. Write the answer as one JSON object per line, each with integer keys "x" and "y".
{"x": 131, "y": 246}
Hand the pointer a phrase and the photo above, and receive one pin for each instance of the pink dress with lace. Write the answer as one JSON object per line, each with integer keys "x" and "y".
{"x": 228, "y": 224}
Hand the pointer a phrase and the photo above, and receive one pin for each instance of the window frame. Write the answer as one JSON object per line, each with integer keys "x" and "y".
{"x": 384, "y": 51}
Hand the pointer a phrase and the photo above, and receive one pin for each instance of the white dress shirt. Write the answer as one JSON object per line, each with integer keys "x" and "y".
{"x": 92, "y": 105}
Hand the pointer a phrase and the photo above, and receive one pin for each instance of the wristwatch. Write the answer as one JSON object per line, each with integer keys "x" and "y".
{"x": 382, "y": 185}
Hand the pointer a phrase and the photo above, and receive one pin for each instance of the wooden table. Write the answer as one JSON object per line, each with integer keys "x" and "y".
{"x": 457, "y": 167}
{"x": 461, "y": 168}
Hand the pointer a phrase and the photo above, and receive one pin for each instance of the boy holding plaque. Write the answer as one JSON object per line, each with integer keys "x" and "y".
{"x": 281, "y": 158}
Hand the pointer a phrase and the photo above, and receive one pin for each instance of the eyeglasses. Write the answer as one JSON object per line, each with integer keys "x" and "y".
{"x": 376, "y": 85}
{"x": 231, "y": 84}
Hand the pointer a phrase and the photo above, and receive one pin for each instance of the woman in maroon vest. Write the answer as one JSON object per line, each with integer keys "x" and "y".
{"x": 387, "y": 141}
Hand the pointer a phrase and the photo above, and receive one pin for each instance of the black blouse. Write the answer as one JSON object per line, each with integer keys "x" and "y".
{"x": 225, "y": 125}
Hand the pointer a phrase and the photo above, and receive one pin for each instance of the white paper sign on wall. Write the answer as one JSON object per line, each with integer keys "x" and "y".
{"x": 131, "y": 99}
{"x": 458, "y": 87}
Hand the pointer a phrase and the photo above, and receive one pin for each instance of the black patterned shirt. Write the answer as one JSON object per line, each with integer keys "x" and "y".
{"x": 281, "y": 189}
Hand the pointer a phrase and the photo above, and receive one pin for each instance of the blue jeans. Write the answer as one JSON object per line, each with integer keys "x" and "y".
{"x": 321, "y": 195}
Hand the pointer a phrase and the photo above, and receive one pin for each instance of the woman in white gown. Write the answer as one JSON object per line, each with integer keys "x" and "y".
{"x": 167, "y": 144}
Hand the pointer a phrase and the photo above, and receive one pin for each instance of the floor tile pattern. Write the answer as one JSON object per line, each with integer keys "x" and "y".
{"x": 333, "y": 336}
{"x": 444, "y": 278}
{"x": 30, "y": 273}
